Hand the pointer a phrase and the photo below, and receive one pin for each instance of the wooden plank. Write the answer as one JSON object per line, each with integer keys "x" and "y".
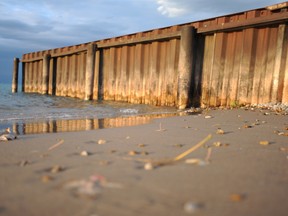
{"x": 247, "y": 66}
{"x": 124, "y": 70}
{"x": 217, "y": 73}
{"x": 278, "y": 61}
{"x": 162, "y": 93}
{"x": 147, "y": 74}
{"x": 154, "y": 71}
{"x": 249, "y": 23}
{"x": 124, "y": 42}
{"x": 207, "y": 68}
{"x": 131, "y": 69}
{"x": 283, "y": 66}
{"x": 97, "y": 76}
{"x": 234, "y": 83}
{"x": 136, "y": 89}
{"x": 259, "y": 64}
{"x": 270, "y": 61}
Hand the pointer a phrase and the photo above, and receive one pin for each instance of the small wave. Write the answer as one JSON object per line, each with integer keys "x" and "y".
{"x": 129, "y": 111}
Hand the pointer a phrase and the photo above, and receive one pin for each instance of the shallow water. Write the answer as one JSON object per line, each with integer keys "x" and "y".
{"x": 46, "y": 113}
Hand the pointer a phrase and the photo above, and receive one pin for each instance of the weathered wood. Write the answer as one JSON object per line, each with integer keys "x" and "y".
{"x": 255, "y": 22}
{"x": 137, "y": 40}
{"x": 15, "y": 75}
{"x": 277, "y": 67}
{"x": 46, "y": 69}
{"x": 24, "y": 67}
{"x": 89, "y": 76}
{"x": 185, "y": 66}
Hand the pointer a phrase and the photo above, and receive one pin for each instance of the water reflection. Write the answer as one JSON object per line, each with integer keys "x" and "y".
{"x": 54, "y": 126}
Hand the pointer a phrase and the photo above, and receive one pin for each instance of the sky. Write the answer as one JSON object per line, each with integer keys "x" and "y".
{"x": 34, "y": 25}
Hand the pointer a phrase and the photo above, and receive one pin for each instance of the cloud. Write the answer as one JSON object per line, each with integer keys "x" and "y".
{"x": 33, "y": 25}
{"x": 202, "y": 9}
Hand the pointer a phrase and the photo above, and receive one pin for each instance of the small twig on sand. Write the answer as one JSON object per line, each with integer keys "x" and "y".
{"x": 56, "y": 145}
{"x": 177, "y": 158}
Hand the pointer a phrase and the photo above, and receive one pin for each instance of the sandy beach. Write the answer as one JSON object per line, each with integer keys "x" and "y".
{"x": 241, "y": 170}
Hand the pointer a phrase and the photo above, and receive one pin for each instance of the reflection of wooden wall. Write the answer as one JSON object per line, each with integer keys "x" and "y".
{"x": 235, "y": 59}
{"x": 82, "y": 125}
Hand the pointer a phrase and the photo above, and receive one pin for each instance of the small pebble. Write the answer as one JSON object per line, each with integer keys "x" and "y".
{"x": 84, "y": 153}
{"x": 101, "y": 141}
{"x": 133, "y": 153}
{"x": 149, "y": 166}
{"x": 208, "y": 117}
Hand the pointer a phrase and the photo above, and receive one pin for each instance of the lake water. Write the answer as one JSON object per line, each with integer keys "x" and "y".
{"x": 23, "y": 110}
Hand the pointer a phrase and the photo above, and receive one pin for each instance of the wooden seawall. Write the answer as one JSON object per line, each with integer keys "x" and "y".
{"x": 230, "y": 60}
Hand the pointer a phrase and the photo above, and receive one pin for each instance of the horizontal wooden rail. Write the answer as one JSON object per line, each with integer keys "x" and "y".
{"x": 147, "y": 39}
{"x": 53, "y": 55}
{"x": 255, "y": 22}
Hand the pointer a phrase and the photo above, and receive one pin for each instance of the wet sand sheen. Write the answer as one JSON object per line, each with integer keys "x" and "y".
{"x": 102, "y": 172}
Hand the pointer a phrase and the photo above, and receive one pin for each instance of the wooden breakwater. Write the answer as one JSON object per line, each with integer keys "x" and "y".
{"x": 229, "y": 60}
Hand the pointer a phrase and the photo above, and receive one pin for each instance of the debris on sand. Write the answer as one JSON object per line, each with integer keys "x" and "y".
{"x": 90, "y": 188}
{"x": 264, "y": 142}
{"x": 7, "y": 135}
{"x": 101, "y": 141}
{"x": 56, "y": 145}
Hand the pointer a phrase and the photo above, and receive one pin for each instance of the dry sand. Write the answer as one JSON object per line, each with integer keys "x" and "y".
{"x": 232, "y": 174}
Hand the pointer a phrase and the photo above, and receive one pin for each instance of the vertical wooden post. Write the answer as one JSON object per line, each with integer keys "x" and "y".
{"x": 90, "y": 65}
{"x": 185, "y": 66}
{"x": 23, "y": 76}
{"x": 15, "y": 75}
{"x": 45, "y": 77}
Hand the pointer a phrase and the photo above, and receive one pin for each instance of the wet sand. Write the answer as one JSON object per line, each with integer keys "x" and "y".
{"x": 231, "y": 174}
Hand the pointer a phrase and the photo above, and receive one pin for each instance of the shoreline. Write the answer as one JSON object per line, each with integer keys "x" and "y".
{"x": 101, "y": 172}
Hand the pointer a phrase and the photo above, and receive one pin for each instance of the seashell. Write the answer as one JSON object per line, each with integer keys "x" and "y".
{"x": 220, "y": 131}
{"x": 128, "y": 137}
{"x": 84, "y": 153}
{"x": 208, "y": 117}
{"x": 101, "y": 141}
{"x": 247, "y": 126}
{"x": 264, "y": 142}
{"x": 149, "y": 166}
